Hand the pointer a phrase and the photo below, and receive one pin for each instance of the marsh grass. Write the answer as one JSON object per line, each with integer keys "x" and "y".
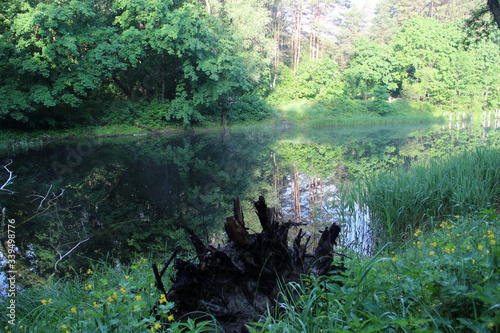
{"x": 403, "y": 200}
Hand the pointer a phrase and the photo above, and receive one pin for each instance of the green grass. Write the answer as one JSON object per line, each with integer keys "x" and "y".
{"x": 350, "y": 112}
{"x": 108, "y": 297}
{"x": 444, "y": 280}
{"x": 403, "y": 200}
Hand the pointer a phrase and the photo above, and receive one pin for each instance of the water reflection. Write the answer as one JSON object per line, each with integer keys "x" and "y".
{"x": 90, "y": 199}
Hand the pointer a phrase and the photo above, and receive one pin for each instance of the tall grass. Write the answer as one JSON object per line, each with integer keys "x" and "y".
{"x": 444, "y": 280}
{"x": 403, "y": 200}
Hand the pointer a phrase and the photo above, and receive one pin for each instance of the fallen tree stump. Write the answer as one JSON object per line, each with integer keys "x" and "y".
{"x": 236, "y": 283}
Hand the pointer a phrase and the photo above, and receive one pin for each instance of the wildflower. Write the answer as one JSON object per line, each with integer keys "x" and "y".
{"x": 123, "y": 290}
{"x": 490, "y": 325}
{"x": 394, "y": 258}
{"x": 126, "y": 276}
{"x": 135, "y": 307}
{"x": 434, "y": 244}
{"x": 89, "y": 271}
{"x": 138, "y": 297}
{"x": 163, "y": 299}
{"x": 96, "y": 305}
{"x": 115, "y": 295}
{"x": 157, "y": 326}
{"x": 493, "y": 242}
{"x": 170, "y": 318}
{"x": 480, "y": 247}
{"x": 431, "y": 253}
{"x": 418, "y": 232}
{"x": 458, "y": 216}
{"x": 44, "y": 302}
{"x": 89, "y": 286}
{"x": 73, "y": 310}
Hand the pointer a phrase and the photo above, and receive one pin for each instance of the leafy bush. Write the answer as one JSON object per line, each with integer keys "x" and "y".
{"x": 380, "y": 104}
{"x": 249, "y": 107}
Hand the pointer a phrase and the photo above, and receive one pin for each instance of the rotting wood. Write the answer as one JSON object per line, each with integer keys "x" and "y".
{"x": 238, "y": 282}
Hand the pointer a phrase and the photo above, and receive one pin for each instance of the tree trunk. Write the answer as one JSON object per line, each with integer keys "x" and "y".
{"x": 495, "y": 10}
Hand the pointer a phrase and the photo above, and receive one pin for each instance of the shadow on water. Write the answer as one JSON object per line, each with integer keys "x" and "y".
{"x": 77, "y": 201}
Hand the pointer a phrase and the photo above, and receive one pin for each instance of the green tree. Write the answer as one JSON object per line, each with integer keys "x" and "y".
{"x": 371, "y": 64}
{"x": 53, "y": 55}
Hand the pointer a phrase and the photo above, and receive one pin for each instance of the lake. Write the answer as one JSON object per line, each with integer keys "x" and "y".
{"x": 82, "y": 200}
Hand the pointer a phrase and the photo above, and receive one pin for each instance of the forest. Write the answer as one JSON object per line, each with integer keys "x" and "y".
{"x": 175, "y": 62}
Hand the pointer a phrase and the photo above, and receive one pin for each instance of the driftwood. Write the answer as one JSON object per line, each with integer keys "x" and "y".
{"x": 238, "y": 282}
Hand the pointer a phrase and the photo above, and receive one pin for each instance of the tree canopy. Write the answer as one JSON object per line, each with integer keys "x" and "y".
{"x": 183, "y": 61}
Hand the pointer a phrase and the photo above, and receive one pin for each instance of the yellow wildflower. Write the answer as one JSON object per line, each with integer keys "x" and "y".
{"x": 493, "y": 242}
{"x": 96, "y": 305}
{"x": 394, "y": 258}
{"x": 157, "y": 326}
{"x": 73, "y": 310}
{"x": 138, "y": 297}
{"x": 44, "y": 302}
{"x": 170, "y": 318}
{"x": 490, "y": 325}
{"x": 163, "y": 299}
{"x": 431, "y": 253}
{"x": 89, "y": 271}
{"x": 480, "y": 247}
{"x": 126, "y": 276}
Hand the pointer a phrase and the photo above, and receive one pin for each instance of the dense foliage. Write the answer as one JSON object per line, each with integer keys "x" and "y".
{"x": 155, "y": 63}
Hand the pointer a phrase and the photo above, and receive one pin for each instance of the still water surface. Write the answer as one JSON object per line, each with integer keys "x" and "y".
{"x": 89, "y": 199}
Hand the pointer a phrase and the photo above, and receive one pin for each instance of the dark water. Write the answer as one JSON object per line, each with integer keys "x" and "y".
{"x": 91, "y": 199}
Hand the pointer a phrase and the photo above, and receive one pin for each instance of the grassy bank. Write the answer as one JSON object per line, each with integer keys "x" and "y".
{"x": 354, "y": 112}
{"x": 303, "y": 114}
{"x": 442, "y": 280}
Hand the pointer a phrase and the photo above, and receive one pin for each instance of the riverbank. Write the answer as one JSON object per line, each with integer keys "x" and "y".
{"x": 291, "y": 115}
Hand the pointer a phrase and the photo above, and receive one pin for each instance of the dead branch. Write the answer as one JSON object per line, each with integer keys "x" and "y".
{"x": 9, "y": 180}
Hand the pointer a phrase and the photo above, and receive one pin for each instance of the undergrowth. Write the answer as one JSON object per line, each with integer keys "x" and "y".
{"x": 443, "y": 280}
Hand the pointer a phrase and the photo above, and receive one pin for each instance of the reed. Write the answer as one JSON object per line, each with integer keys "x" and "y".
{"x": 403, "y": 200}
